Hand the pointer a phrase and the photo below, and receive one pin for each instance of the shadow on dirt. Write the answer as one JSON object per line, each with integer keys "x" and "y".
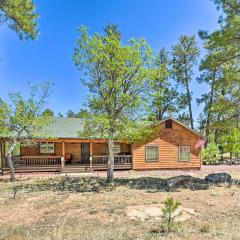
{"x": 97, "y": 184}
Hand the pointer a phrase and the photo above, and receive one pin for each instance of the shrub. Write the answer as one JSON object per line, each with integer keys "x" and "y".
{"x": 205, "y": 228}
{"x": 211, "y": 153}
{"x": 231, "y": 141}
{"x": 170, "y": 214}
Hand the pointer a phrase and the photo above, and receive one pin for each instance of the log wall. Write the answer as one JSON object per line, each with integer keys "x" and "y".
{"x": 168, "y": 141}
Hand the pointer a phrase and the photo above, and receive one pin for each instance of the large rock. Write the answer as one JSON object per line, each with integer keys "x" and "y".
{"x": 154, "y": 213}
{"x": 178, "y": 181}
{"x": 218, "y": 178}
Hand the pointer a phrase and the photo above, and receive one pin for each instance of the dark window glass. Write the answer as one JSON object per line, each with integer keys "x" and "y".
{"x": 168, "y": 124}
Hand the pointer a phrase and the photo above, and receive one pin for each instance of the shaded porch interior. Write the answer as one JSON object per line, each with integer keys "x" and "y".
{"x": 70, "y": 155}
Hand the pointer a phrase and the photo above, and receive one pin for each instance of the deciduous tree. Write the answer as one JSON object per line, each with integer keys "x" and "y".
{"x": 117, "y": 75}
{"x": 23, "y": 120}
{"x": 48, "y": 112}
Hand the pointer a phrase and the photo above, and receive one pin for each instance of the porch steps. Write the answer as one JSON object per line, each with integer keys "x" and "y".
{"x": 96, "y": 167}
{"x": 76, "y": 169}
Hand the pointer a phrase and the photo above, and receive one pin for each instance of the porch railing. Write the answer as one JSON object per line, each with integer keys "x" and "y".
{"x": 31, "y": 161}
{"x": 118, "y": 159}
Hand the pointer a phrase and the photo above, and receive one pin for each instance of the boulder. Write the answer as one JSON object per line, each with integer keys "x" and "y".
{"x": 154, "y": 213}
{"x": 178, "y": 181}
{"x": 218, "y": 178}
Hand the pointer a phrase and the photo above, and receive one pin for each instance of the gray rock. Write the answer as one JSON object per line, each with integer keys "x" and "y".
{"x": 178, "y": 181}
{"x": 218, "y": 177}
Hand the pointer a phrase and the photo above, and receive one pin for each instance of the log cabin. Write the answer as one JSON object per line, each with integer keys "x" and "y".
{"x": 172, "y": 146}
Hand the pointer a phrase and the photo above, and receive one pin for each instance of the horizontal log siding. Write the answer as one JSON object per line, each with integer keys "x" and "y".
{"x": 99, "y": 149}
{"x": 72, "y": 148}
{"x": 75, "y": 150}
{"x": 168, "y": 141}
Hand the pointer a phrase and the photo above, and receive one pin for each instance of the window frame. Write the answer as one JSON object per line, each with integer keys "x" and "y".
{"x": 47, "y": 148}
{"x": 151, "y": 145}
{"x": 179, "y": 153}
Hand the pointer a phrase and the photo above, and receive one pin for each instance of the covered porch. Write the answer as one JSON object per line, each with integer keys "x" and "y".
{"x": 69, "y": 155}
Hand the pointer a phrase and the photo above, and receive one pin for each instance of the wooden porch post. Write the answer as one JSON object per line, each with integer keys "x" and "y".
{"x": 63, "y": 156}
{"x": 90, "y": 159}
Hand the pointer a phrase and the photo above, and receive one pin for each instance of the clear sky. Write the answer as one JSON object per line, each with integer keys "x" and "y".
{"x": 49, "y": 57}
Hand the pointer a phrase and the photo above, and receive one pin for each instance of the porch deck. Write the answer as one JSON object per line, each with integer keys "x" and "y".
{"x": 57, "y": 164}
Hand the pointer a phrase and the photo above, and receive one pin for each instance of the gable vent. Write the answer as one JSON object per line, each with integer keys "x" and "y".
{"x": 168, "y": 123}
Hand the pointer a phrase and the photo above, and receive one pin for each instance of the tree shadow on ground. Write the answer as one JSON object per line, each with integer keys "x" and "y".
{"x": 169, "y": 184}
{"x": 150, "y": 184}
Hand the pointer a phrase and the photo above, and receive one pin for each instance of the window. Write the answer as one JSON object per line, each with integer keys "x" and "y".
{"x": 46, "y": 147}
{"x": 184, "y": 153}
{"x": 117, "y": 148}
{"x": 168, "y": 123}
{"x": 151, "y": 153}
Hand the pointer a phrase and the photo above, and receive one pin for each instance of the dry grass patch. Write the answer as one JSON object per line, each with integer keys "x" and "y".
{"x": 56, "y": 214}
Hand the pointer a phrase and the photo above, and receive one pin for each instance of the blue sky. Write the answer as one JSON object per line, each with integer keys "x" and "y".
{"x": 160, "y": 22}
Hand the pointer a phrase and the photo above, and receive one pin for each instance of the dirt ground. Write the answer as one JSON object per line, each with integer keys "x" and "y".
{"x": 234, "y": 170}
{"x": 102, "y": 215}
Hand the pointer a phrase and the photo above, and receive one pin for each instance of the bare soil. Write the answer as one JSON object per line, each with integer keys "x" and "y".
{"x": 99, "y": 212}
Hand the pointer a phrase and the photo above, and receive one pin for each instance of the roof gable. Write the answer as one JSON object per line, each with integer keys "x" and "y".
{"x": 180, "y": 123}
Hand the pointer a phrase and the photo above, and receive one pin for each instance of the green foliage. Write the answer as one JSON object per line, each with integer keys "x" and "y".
{"x": 24, "y": 117}
{"x": 221, "y": 71}
{"x": 161, "y": 95}
{"x": 170, "y": 214}
{"x": 48, "y": 112}
{"x": 211, "y": 153}
{"x": 231, "y": 141}
{"x": 117, "y": 76}
{"x": 70, "y": 114}
{"x": 19, "y": 15}
{"x": 185, "y": 55}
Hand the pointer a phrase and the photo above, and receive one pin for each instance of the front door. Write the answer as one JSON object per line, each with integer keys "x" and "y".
{"x": 85, "y": 153}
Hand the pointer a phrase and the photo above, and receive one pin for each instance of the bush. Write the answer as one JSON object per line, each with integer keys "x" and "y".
{"x": 211, "y": 153}
{"x": 169, "y": 215}
{"x": 231, "y": 141}
{"x": 205, "y": 228}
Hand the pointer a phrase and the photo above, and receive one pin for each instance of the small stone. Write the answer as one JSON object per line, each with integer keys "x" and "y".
{"x": 214, "y": 194}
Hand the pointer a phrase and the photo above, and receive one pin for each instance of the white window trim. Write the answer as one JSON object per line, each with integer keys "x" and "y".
{"x": 151, "y": 145}
{"x": 48, "y": 149}
{"x": 179, "y": 146}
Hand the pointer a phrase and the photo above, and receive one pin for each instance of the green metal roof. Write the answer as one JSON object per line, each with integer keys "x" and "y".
{"x": 64, "y": 128}
{"x": 70, "y": 128}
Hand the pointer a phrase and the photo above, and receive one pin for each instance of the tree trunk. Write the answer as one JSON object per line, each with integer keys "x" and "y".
{"x": 216, "y": 134}
{"x": 190, "y": 106}
{"x": 209, "y": 108}
{"x": 110, "y": 161}
{"x": 10, "y": 163}
{"x": 231, "y": 157}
